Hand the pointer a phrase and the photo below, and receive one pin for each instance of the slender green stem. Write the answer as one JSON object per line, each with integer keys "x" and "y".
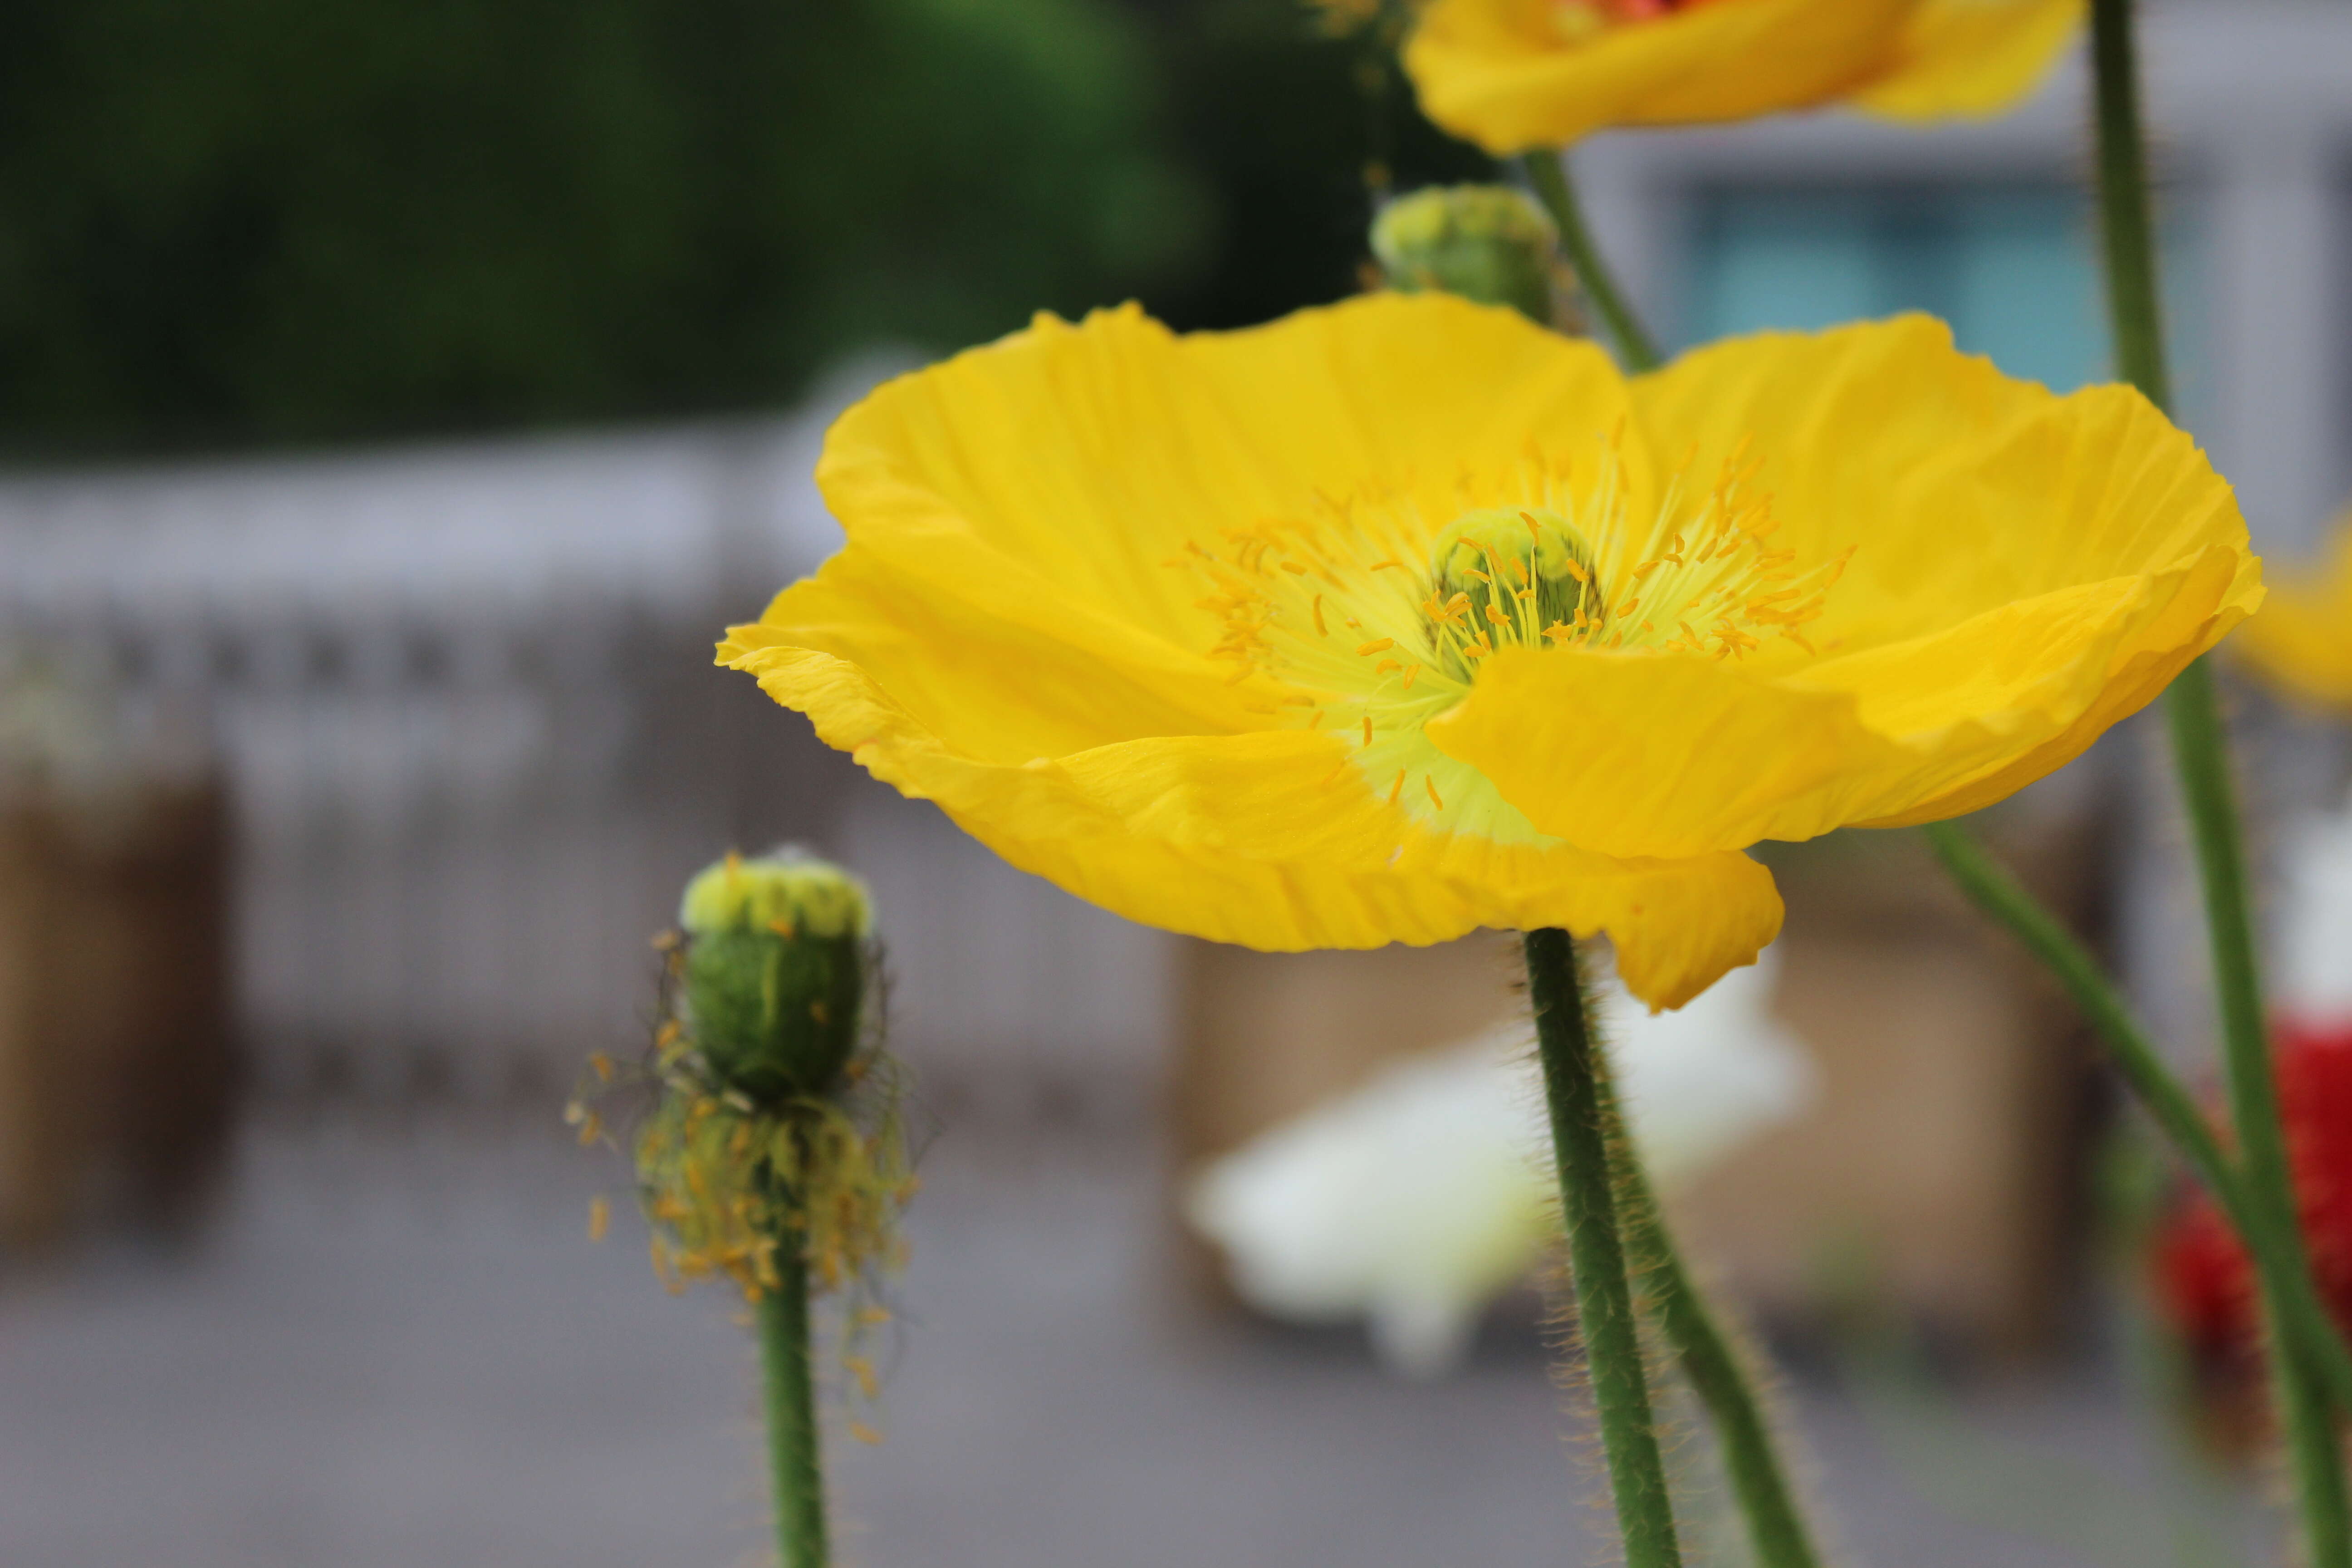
{"x": 1547, "y": 172}
{"x": 2199, "y": 747}
{"x": 1604, "y": 1298}
{"x": 2126, "y": 233}
{"x": 1999, "y": 895}
{"x": 1776, "y": 1529}
{"x": 790, "y": 1386}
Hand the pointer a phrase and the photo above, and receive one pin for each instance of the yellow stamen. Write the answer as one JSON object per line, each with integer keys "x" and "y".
{"x": 1397, "y": 788}
{"x": 1430, "y": 784}
{"x": 1378, "y": 644}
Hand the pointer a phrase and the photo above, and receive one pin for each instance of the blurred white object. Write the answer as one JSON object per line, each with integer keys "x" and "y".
{"x": 2315, "y": 977}
{"x": 1417, "y": 1198}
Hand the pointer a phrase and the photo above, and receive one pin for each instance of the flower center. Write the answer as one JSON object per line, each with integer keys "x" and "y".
{"x": 1499, "y": 577}
{"x": 1574, "y": 21}
{"x": 1365, "y": 618}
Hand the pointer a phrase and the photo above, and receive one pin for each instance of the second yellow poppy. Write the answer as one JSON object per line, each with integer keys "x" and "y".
{"x": 1514, "y": 75}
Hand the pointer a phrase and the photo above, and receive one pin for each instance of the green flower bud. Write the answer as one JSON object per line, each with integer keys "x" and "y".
{"x": 775, "y": 972}
{"x": 1487, "y": 243}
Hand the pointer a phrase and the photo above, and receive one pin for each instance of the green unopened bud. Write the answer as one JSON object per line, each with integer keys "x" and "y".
{"x": 775, "y": 972}
{"x": 1487, "y": 243}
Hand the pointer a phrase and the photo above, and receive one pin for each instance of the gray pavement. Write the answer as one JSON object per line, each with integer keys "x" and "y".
{"x": 401, "y": 1351}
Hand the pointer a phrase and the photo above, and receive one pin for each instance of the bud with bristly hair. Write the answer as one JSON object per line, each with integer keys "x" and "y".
{"x": 773, "y": 1154}
{"x": 775, "y": 972}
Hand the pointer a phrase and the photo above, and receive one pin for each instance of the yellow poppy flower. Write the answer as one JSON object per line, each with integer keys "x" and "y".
{"x": 1404, "y": 617}
{"x": 1512, "y": 75}
{"x": 2303, "y": 639}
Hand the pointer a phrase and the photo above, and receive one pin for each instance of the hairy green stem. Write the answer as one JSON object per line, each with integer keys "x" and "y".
{"x": 1546, "y": 171}
{"x": 786, "y": 1358}
{"x": 2200, "y": 747}
{"x": 2200, "y": 750}
{"x": 1775, "y": 1526}
{"x": 1776, "y": 1529}
{"x": 2166, "y": 1100}
{"x": 1604, "y": 1298}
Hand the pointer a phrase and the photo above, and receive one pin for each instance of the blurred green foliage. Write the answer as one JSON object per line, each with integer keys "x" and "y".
{"x": 300, "y": 220}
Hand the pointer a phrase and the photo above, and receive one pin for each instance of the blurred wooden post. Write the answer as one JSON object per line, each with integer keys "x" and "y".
{"x": 1934, "y": 1178}
{"x": 116, "y": 1081}
{"x": 1938, "y": 1176}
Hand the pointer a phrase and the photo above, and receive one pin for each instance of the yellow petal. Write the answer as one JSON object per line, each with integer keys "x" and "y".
{"x": 2301, "y": 641}
{"x": 1504, "y": 74}
{"x": 2029, "y": 569}
{"x": 1000, "y": 687}
{"x": 1263, "y": 839}
{"x": 1960, "y": 491}
{"x": 1641, "y": 755}
{"x": 1081, "y": 458}
{"x": 1972, "y": 56}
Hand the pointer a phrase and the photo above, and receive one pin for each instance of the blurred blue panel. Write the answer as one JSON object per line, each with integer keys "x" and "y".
{"x": 2025, "y": 289}
{"x": 1786, "y": 259}
{"x": 2012, "y": 270}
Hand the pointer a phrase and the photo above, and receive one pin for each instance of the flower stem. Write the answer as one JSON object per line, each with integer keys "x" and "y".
{"x": 1548, "y": 172}
{"x": 1775, "y": 1527}
{"x": 2199, "y": 745}
{"x": 2125, "y": 232}
{"x": 1604, "y": 1301}
{"x": 2200, "y": 748}
{"x": 1999, "y": 895}
{"x": 791, "y": 1387}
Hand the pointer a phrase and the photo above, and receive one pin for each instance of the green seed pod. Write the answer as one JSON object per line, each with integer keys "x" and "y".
{"x": 1528, "y": 564}
{"x": 775, "y": 973}
{"x": 1487, "y": 243}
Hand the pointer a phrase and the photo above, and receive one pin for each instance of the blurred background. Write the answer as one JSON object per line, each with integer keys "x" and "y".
{"x": 395, "y": 401}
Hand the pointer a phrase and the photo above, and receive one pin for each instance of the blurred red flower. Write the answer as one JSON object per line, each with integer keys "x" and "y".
{"x": 2204, "y": 1282}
